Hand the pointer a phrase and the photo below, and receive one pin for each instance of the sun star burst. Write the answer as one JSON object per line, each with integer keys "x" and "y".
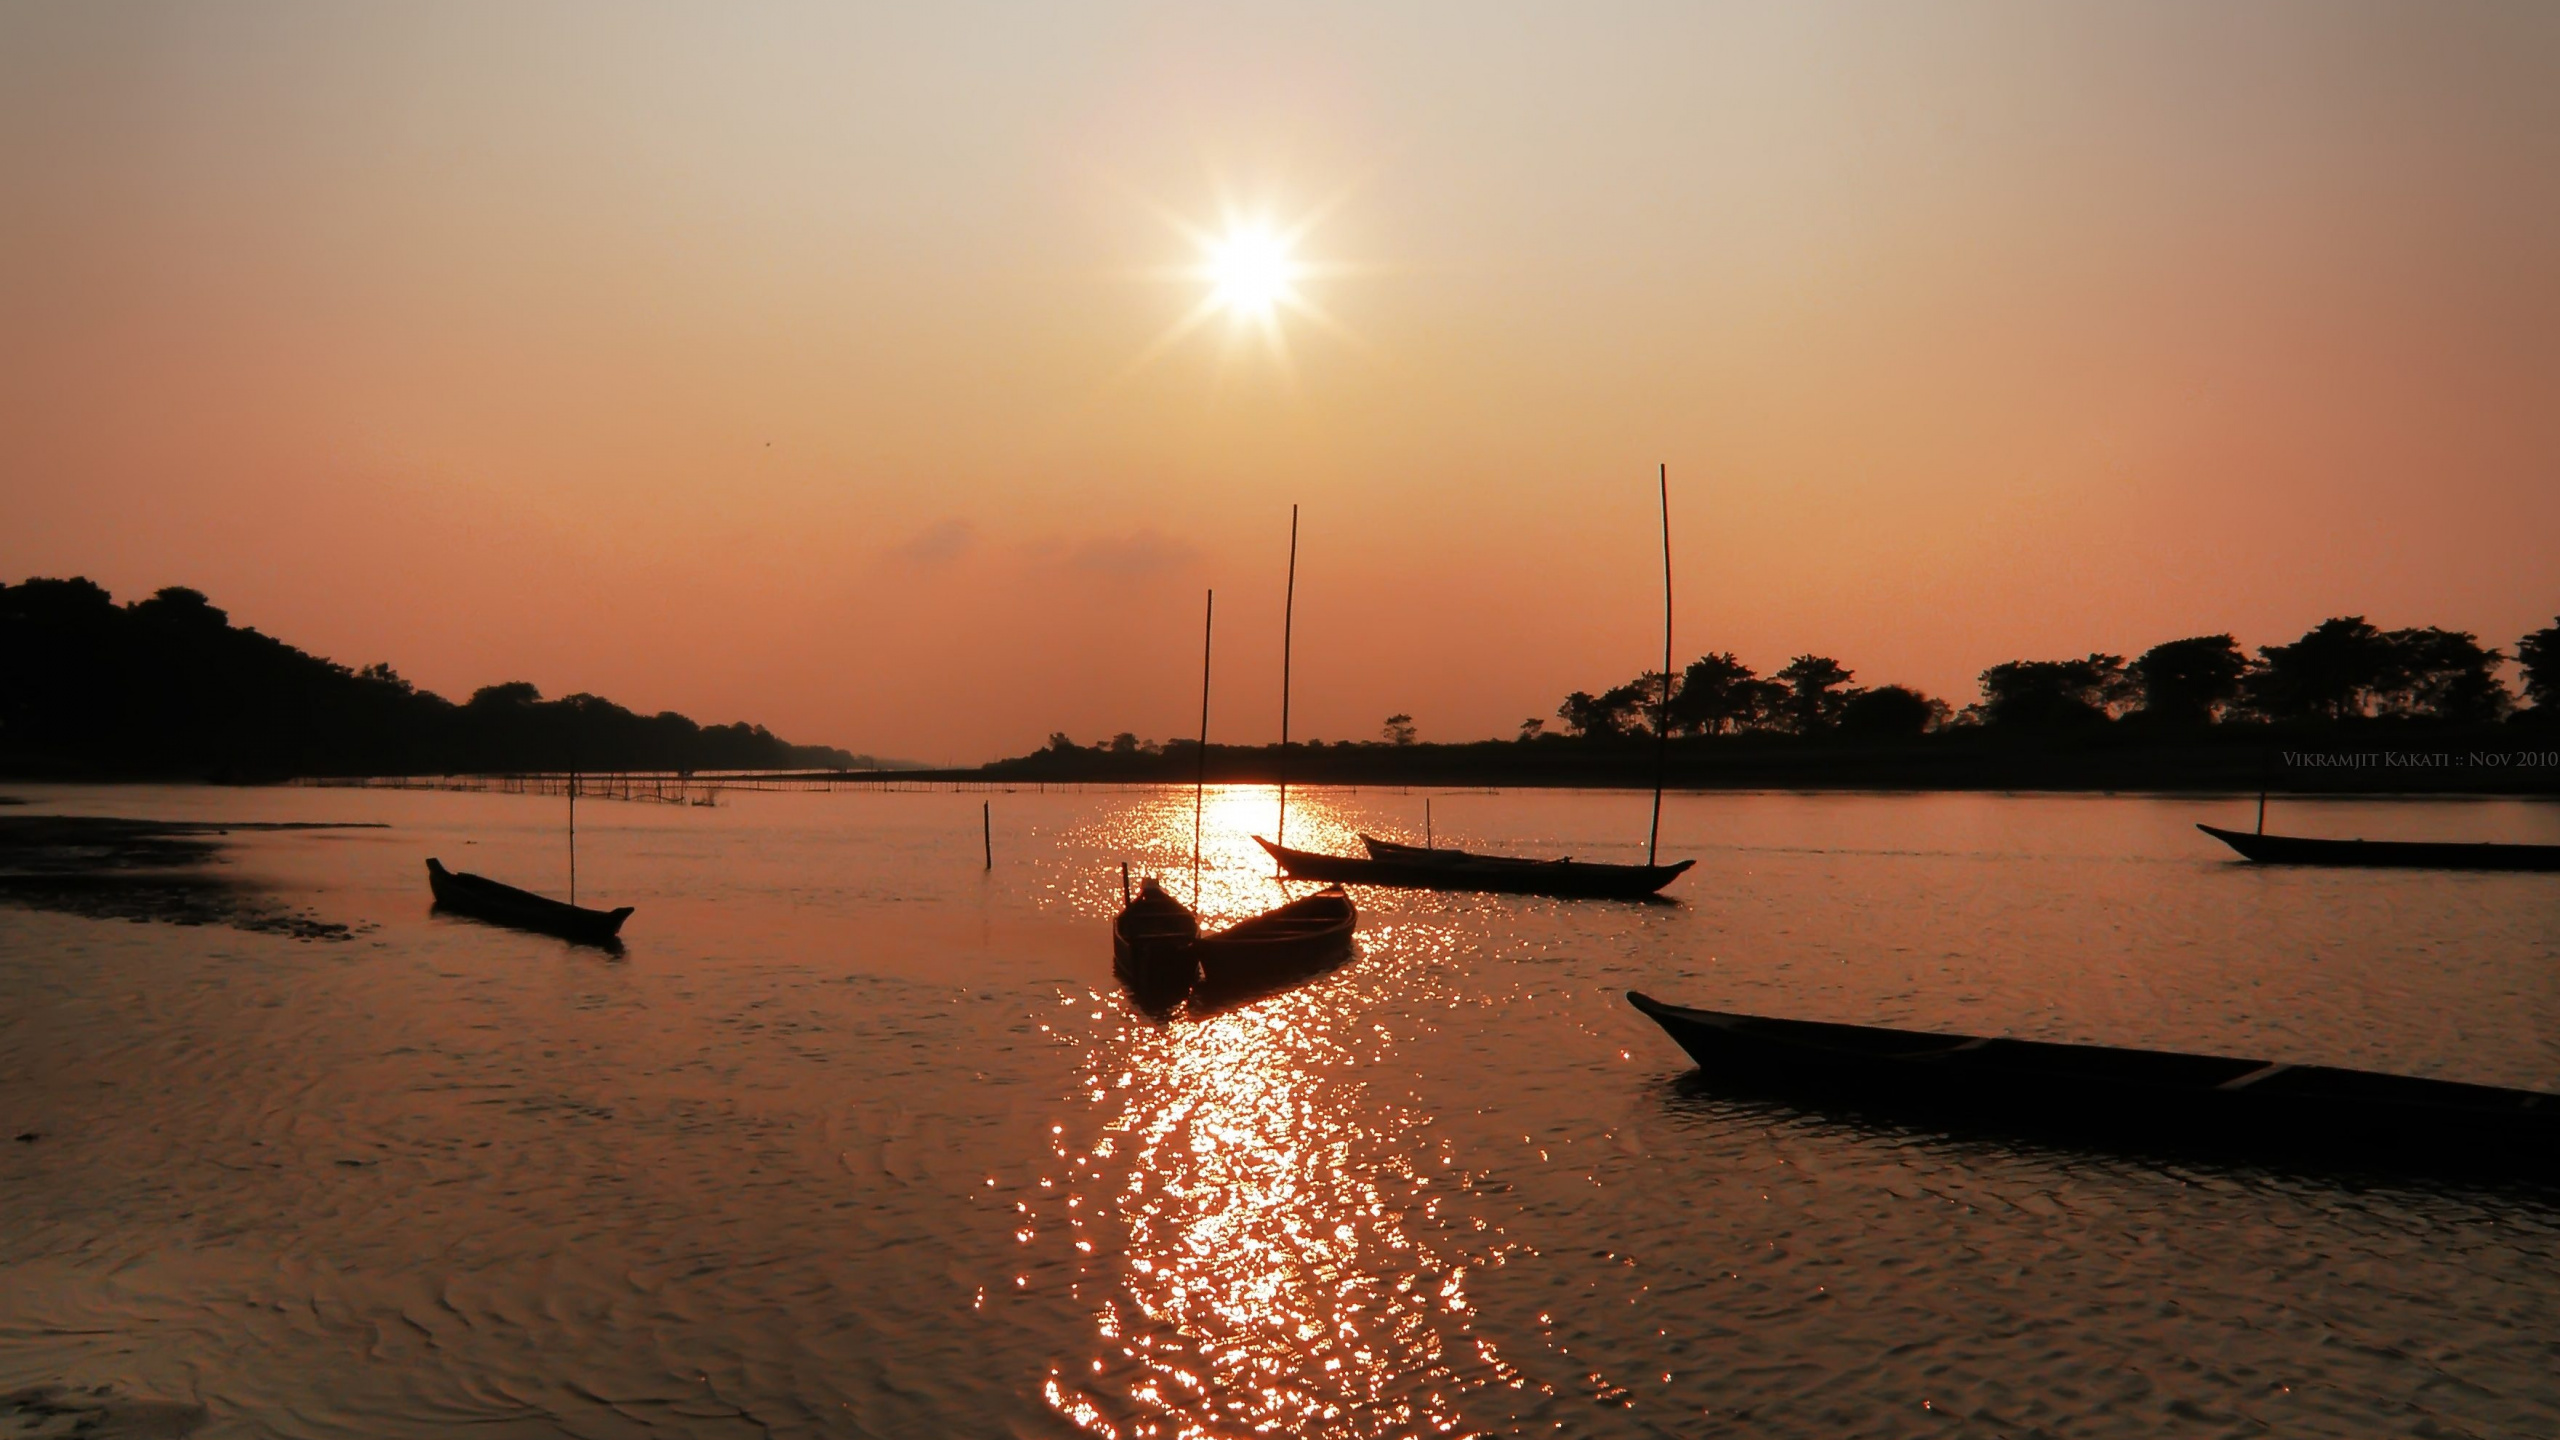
{"x": 1248, "y": 269}
{"x": 1250, "y": 272}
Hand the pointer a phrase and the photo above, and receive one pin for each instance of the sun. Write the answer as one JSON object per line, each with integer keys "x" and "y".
{"x": 1248, "y": 267}
{"x": 1250, "y": 272}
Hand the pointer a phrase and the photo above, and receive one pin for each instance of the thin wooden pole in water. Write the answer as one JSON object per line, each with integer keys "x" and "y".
{"x": 2264, "y": 767}
{"x": 573, "y": 837}
{"x": 1426, "y": 822}
{"x": 987, "y": 829}
{"x": 1288, "y": 620}
{"x": 1200, "y": 778}
{"x": 1662, "y": 711}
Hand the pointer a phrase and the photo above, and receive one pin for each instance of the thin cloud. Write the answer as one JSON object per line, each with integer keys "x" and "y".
{"x": 937, "y": 544}
{"x": 1136, "y": 555}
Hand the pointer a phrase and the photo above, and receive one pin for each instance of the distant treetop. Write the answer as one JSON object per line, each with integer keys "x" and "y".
{"x": 2341, "y": 670}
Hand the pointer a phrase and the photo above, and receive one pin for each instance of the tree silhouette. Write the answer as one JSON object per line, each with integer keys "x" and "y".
{"x": 1890, "y": 712}
{"x": 2444, "y": 675}
{"x": 1619, "y": 711}
{"x": 1399, "y": 730}
{"x": 2334, "y": 672}
{"x": 1582, "y": 715}
{"x": 1638, "y": 703}
{"x": 168, "y": 686}
{"x": 2055, "y": 694}
{"x": 1719, "y": 694}
{"x": 2190, "y": 681}
{"x": 2539, "y": 653}
{"x": 1816, "y": 692}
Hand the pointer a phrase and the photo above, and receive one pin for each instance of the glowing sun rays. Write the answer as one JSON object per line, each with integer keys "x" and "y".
{"x": 1251, "y": 272}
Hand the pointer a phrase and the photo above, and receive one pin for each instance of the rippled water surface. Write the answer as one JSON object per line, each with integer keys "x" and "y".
{"x": 857, "y": 1137}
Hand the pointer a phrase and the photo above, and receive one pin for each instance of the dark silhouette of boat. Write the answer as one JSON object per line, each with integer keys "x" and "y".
{"x": 484, "y": 899}
{"x": 1151, "y": 943}
{"x": 1415, "y": 868}
{"x": 2252, "y": 1109}
{"x": 1433, "y": 854}
{"x": 1157, "y": 949}
{"x": 1278, "y": 948}
{"x": 2405, "y": 854}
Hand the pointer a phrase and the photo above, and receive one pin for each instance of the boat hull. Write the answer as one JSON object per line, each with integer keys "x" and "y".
{"x": 2237, "y": 1108}
{"x": 2390, "y": 854}
{"x": 485, "y": 899}
{"x": 1567, "y": 879}
{"x": 1151, "y": 943}
{"x": 1158, "y": 952}
{"x": 1275, "y": 950}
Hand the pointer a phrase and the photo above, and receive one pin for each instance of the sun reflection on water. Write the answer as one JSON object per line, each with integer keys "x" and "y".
{"x": 1236, "y": 879}
{"x": 1255, "y": 1243}
{"x": 1268, "y": 1246}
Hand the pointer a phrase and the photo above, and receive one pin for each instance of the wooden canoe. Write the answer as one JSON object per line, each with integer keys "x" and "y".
{"x": 1570, "y": 879}
{"x": 484, "y": 899}
{"x": 2396, "y": 854}
{"x": 1278, "y": 948}
{"x": 1157, "y": 949}
{"x": 1151, "y": 943}
{"x": 2241, "y": 1108}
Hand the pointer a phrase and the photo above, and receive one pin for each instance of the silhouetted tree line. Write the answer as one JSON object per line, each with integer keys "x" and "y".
{"x": 169, "y": 687}
{"x": 2343, "y": 669}
{"x": 2198, "y": 711}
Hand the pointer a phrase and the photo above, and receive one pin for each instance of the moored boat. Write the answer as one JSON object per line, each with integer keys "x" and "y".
{"x": 2242, "y": 1107}
{"x": 2395, "y": 854}
{"x": 1411, "y": 867}
{"x": 1151, "y": 943}
{"x": 1277, "y": 948}
{"x": 485, "y": 899}
{"x": 1157, "y": 949}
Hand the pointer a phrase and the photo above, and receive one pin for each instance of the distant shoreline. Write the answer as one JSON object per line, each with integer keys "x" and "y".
{"x": 2368, "y": 759}
{"x": 2386, "y": 760}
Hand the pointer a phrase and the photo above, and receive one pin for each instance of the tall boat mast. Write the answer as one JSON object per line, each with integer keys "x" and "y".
{"x": 1200, "y": 777}
{"x": 1662, "y": 710}
{"x": 1288, "y": 620}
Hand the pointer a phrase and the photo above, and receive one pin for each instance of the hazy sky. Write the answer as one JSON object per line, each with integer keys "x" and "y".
{"x": 809, "y": 363}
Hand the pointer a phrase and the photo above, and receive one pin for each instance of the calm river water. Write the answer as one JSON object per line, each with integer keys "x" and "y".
{"x": 860, "y": 1138}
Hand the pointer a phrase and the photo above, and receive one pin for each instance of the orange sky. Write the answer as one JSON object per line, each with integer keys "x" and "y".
{"x": 785, "y": 363}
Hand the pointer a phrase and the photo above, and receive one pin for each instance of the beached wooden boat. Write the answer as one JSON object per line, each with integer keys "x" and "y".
{"x": 2400, "y": 854}
{"x": 2239, "y": 1107}
{"x": 1419, "y": 869}
{"x": 484, "y": 899}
